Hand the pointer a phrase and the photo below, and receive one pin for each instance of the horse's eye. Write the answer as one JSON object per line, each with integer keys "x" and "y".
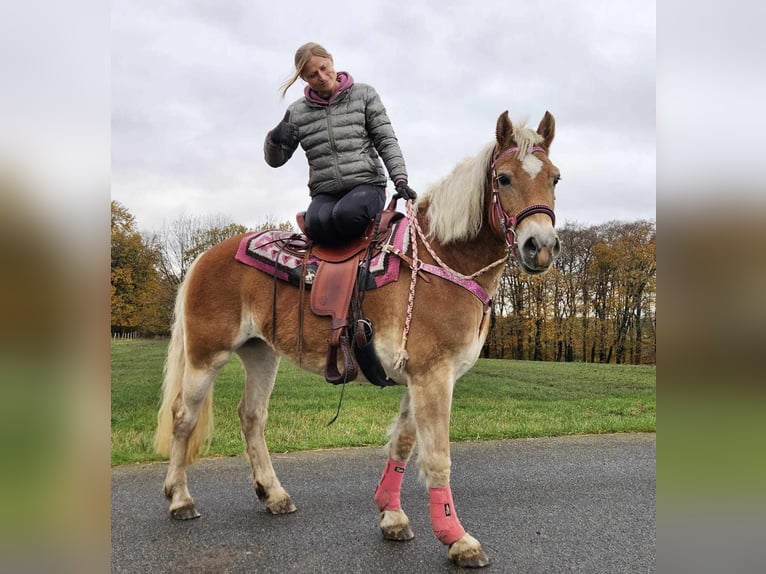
{"x": 503, "y": 180}
{"x": 556, "y": 179}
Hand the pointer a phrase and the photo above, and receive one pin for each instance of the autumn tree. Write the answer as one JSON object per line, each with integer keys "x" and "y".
{"x": 574, "y": 264}
{"x": 133, "y": 271}
{"x": 602, "y": 272}
{"x": 636, "y": 245}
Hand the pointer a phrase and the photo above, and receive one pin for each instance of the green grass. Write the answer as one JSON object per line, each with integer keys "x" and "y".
{"x": 496, "y": 399}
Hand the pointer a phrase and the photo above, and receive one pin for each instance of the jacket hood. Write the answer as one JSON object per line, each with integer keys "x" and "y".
{"x": 345, "y": 81}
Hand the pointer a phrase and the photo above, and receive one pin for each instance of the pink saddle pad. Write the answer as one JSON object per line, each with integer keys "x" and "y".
{"x": 267, "y": 252}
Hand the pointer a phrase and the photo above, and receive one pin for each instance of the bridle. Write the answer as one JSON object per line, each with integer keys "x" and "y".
{"x": 500, "y": 220}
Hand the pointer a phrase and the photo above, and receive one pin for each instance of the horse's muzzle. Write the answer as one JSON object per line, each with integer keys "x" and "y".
{"x": 538, "y": 251}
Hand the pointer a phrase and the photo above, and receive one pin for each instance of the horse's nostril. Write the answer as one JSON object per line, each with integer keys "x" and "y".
{"x": 530, "y": 247}
{"x": 556, "y": 247}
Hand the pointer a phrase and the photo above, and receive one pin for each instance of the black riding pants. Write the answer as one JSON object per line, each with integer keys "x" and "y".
{"x": 332, "y": 220}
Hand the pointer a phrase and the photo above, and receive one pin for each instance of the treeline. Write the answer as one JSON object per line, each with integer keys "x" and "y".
{"x": 596, "y": 305}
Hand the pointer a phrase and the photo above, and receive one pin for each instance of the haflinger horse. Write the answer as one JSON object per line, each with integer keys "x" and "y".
{"x": 429, "y": 329}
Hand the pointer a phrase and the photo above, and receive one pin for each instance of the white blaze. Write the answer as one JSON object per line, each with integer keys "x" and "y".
{"x": 532, "y": 165}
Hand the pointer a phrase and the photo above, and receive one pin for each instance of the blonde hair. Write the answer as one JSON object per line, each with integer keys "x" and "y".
{"x": 302, "y": 56}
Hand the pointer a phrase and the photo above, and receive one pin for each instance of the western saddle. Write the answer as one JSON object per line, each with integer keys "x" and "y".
{"x": 335, "y": 293}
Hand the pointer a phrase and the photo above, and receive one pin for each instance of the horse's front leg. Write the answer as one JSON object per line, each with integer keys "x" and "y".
{"x": 431, "y": 401}
{"x": 394, "y": 523}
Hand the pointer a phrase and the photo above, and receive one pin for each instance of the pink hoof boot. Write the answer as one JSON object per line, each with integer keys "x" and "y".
{"x": 444, "y": 521}
{"x": 390, "y": 485}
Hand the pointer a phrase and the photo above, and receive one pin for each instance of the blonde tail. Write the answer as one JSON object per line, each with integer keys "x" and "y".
{"x": 172, "y": 388}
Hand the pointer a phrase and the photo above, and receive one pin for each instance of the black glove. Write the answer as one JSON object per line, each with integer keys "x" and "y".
{"x": 405, "y": 191}
{"x": 285, "y": 133}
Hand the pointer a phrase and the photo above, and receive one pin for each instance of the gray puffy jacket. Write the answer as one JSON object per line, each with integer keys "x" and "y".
{"x": 343, "y": 141}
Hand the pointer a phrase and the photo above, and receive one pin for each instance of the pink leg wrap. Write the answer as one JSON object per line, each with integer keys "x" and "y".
{"x": 390, "y": 485}
{"x": 444, "y": 519}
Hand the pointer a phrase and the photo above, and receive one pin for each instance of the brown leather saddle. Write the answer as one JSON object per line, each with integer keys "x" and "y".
{"x": 333, "y": 290}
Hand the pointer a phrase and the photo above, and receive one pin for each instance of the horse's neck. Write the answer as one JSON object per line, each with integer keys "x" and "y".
{"x": 467, "y": 257}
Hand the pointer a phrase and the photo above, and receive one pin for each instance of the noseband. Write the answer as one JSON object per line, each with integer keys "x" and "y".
{"x": 503, "y": 222}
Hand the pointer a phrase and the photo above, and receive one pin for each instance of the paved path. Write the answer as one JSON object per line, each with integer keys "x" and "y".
{"x": 574, "y": 504}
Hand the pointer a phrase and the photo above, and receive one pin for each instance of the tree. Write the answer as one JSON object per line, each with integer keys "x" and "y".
{"x": 602, "y": 271}
{"x": 181, "y": 242}
{"x": 133, "y": 270}
{"x": 637, "y": 246}
{"x": 574, "y": 263}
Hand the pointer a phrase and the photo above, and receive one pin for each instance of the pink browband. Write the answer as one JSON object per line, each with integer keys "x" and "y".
{"x": 511, "y": 150}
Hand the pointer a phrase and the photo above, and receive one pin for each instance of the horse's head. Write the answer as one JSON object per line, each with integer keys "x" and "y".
{"x": 523, "y": 179}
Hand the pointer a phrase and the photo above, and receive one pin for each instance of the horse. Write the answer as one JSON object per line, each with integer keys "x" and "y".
{"x": 429, "y": 329}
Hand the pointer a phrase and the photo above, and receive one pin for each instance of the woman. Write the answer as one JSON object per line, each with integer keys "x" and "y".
{"x": 344, "y": 130}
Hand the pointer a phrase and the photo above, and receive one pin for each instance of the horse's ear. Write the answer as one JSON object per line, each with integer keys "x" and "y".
{"x": 547, "y": 129}
{"x": 504, "y": 131}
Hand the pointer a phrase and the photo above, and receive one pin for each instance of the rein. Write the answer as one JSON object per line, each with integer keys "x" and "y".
{"x": 442, "y": 270}
{"x": 503, "y": 222}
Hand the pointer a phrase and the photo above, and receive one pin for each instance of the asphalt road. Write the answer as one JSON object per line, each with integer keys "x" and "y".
{"x": 573, "y": 504}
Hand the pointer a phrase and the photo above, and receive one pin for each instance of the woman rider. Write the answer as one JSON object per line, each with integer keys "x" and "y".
{"x": 344, "y": 130}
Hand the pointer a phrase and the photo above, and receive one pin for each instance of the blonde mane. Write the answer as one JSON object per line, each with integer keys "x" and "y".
{"x": 455, "y": 205}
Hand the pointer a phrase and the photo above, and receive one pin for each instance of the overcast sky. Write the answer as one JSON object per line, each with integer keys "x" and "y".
{"x": 195, "y": 89}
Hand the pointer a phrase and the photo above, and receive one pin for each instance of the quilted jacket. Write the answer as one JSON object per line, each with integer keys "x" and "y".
{"x": 344, "y": 140}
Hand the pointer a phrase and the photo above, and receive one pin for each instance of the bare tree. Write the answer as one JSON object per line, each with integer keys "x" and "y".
{"x": 180, "y": 242}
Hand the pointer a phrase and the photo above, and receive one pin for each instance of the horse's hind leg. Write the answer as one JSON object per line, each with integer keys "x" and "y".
{"x": 192, "y": 417}
{"x": 261, "y": 363}
{"x": 393, "y": 522}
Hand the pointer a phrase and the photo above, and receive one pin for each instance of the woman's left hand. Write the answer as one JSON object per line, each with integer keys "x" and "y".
{"x": 405, "y": 191}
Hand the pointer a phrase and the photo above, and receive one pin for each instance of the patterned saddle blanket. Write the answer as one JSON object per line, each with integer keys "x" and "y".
{"x": 281, "y": 255}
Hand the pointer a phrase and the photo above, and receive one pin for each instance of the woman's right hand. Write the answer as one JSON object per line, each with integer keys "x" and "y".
{"x": 285, "y": 133}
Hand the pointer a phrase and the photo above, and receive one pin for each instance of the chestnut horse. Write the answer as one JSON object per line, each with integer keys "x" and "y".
{"x": 430, "y": 326}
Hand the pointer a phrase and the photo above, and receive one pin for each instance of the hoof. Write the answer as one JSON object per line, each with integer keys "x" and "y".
{"x": 468, "y": 553}
{"x": 188, "y": 512}
{"x": 395, "y": 525}
{"x": 284, "y": 506}
{"x": 400, "y": 535}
